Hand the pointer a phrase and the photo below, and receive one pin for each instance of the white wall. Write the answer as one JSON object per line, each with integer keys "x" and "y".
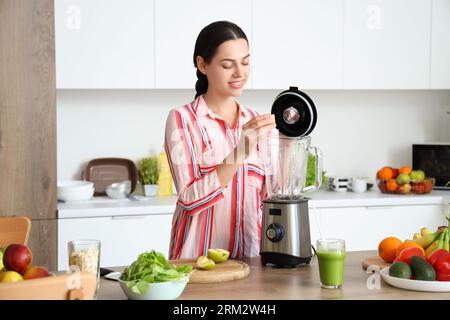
{"x": 358, "y": 131}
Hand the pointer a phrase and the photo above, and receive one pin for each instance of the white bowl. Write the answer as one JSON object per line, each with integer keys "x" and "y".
{"x": 168, "y": 290}
{"x": 75, "y": 190}
{"x": 75, "y": 185}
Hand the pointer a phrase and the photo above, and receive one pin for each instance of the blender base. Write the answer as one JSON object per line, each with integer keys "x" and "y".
{"x": 283, "y": 260}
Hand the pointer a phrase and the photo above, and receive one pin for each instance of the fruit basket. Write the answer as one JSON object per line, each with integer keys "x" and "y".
{"x": 415, "y": 187}
{"x": 75, "y": 286}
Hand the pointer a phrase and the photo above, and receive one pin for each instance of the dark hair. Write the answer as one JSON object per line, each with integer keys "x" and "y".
{"x": 211, "y": 37}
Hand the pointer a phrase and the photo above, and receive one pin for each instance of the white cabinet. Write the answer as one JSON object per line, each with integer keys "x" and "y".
{"x": 364, "y": 227}
{"x": 387, "y": 44}
{"x": 440, "y": 45}
{"x": 122, "y": 238}
{"x": 104, "y": 44}
{"x": 177, "y": 25}
{"x": 297, "y": 43}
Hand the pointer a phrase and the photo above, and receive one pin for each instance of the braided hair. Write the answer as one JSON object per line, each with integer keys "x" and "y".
{"x": 208, "y": 40}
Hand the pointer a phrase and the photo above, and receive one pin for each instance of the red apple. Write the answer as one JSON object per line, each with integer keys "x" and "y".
{"x": 395, "y": 173}
{"x": 17, "y": 257}
{"x": 35, "y": 272}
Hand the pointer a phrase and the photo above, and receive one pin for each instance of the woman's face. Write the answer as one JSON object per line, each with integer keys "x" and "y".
{"x": 229, "y": 69}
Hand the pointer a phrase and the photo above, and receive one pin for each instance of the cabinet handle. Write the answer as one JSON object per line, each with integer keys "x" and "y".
{"x": 127, "y": 217}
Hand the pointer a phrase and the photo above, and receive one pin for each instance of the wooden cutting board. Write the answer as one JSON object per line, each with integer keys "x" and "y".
{"x": 375, "y": 260}
{"x": 223, "y": 271}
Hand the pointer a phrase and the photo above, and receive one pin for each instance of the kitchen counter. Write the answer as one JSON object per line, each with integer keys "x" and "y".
{"x": 101, "y": 207}
{"x": 300, "y": 283}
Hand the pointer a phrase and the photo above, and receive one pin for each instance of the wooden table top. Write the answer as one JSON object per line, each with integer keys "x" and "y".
{"x": 300, "y": 283}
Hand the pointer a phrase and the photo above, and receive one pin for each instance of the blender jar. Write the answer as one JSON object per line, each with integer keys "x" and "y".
{"x": 285, "y": 161}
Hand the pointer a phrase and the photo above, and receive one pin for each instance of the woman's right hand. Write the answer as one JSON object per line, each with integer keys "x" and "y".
{"x": 259, "y": 125}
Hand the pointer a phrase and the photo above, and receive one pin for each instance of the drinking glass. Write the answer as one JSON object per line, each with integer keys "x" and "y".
{"x": 330, "y": 257}
{"x": 84, "y": 256}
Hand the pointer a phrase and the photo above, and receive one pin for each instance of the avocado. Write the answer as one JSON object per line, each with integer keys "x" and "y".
{"x": 400, "y": 269}
{"x": 422, "y": 269}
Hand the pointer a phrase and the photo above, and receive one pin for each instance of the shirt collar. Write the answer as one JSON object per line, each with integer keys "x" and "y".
{"x": 201, "y": 109}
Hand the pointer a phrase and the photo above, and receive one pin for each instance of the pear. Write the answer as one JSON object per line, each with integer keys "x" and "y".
{"x": 205, "y": 263}
{"x": 218, "y": 255}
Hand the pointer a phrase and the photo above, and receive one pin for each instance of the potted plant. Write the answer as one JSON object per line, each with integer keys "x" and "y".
{"x": 149, "y": 174}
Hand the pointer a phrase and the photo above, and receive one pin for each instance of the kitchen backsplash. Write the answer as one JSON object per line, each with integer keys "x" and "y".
{"x": 358, "y": 131}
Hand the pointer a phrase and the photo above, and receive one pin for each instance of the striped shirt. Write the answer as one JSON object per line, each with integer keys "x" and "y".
{"x": 207, "y": 215}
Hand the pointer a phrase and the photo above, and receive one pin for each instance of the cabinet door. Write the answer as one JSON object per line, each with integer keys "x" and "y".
{"x": 440, "y": 45}
{"x": 104, "y": 44}
{"x": 122, "y": 238}
{"x": 297, "y": 43}
{"x": 177, "y": 25}
{"x": 42, "y": 242}
{"x": 386, "y": 44}
{"x": 364, "y": 227}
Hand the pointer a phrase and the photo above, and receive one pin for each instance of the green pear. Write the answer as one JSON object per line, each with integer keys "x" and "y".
{"x": 205, "y": 263}
{"x": 218, "y": 255}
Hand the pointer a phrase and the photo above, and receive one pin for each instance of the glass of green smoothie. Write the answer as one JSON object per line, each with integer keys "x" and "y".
{"x": 330, "y": 256}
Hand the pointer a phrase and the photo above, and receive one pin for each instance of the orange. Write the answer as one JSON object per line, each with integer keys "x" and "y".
{"x": 388, "y": 248}
{"x": 391, "y": 185}
{"x": 408, "y": 244}
{"x": 405, "y": 169}
{"x": 385, "y": 173}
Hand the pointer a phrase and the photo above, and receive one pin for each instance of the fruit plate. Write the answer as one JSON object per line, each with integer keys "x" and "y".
{"x": 416, "y": 285}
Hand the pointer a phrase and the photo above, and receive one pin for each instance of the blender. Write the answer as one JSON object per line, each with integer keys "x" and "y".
{"x": 285, "y": 238}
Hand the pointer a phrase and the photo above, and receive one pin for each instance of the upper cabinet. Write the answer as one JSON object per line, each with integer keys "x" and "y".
{"x": 440, "y": 45}
{"x": 104, "y": 44}
{"x": 177, "y": 25}
{"x": 312, "y": 44}
{"x": 387, "y": 44}
{"x": 297, "y": 43}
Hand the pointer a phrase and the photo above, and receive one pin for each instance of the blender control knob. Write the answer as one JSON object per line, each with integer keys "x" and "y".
{"x": 275, "y": 232}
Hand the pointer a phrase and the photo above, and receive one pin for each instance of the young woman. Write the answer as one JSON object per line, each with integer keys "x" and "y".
{"x": 211, "y": 145}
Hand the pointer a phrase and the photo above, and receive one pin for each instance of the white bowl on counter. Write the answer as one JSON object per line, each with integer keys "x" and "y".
{"x": 167, "y": 290}
{"x": 75, "y": 190}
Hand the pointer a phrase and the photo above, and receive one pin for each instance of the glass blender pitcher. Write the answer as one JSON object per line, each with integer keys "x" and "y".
{"x": 285, "y": 163}
{"x": 285, "y": 238}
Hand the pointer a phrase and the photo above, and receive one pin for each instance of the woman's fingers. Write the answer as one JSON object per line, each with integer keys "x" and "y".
{"x": 259, "y": 122}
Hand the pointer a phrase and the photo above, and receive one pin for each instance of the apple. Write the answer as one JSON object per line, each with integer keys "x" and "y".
{"x": 417, "y": 175}
{"x": 1, "y": 259}
{"x": 205, "y": 263}
{"x": 10, "y": 276}
{"x": 394, "y": 173}
{"x": 35, "y": 272}
{"x": 17, "y": 257}
{"x": 404, "y": 188}
{"x": 218, "y": 255}
{"x": 403, "y": 178}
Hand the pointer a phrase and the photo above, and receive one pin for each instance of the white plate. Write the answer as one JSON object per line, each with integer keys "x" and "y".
{"x": 416, "y": 285}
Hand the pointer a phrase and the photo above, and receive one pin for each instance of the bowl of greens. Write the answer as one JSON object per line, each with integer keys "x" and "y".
{"x": 151, "y": 277}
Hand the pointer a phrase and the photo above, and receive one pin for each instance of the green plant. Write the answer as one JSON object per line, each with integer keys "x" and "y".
{"x": 311, "y": 172}
{"x": 149, "y": 170}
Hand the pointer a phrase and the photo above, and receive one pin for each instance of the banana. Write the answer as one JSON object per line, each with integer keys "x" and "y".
{"x": 417, "y": 236}
{"x": 437, "y": 244}
{"x": 425, "y": 231}
{"x": 426, "y": 241}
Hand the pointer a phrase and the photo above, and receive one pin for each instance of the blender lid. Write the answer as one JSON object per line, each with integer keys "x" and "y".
{"x": 295, "y": 113}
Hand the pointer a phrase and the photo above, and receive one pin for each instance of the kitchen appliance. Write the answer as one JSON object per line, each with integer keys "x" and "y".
{"x": 434, "y": 160}
{"x": 285, "y": 239}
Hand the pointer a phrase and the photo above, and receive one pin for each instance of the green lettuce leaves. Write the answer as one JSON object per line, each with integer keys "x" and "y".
{"x": 152, "y": 267}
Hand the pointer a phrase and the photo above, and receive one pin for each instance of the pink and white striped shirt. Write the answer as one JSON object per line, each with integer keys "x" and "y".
{"x": 207, "y": 215}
